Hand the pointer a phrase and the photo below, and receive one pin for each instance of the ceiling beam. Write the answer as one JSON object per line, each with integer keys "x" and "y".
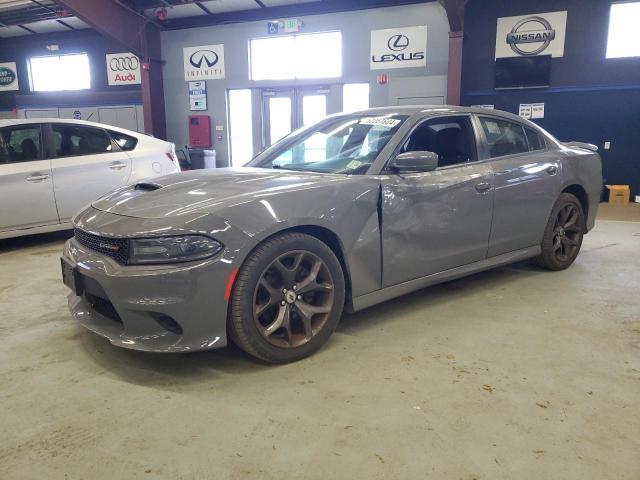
{"x": 26, "y": 28}
{"x": 455, "y": 13}
{"x": 203, "y": 8}
{"x": 116, "y": 21}
{"x": 137, "y": 34}
{"x": 284, "y": 11}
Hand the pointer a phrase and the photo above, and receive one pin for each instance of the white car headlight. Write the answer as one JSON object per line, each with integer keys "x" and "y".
{"x": 186, "y": 248}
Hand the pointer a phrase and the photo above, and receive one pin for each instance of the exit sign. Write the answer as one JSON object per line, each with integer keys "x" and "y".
{"x": 291, "y": 25}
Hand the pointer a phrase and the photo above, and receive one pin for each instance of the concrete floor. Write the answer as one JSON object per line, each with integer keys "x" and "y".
{"x": 513, "y": 373}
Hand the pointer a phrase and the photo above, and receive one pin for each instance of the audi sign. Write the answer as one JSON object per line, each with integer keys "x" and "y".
{"x": 123, "y": 69}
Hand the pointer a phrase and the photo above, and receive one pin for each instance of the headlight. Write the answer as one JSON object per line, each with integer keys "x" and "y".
{"x": 186, "y": 248}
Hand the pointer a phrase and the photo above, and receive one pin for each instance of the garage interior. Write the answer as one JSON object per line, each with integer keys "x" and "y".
{"x": 513, "y": 372}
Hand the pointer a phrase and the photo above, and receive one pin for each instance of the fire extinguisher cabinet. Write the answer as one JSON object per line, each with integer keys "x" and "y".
{"x": 200, "y": 131}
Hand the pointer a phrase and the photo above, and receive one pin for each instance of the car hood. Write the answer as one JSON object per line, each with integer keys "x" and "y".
{"x": 205, "y": 191}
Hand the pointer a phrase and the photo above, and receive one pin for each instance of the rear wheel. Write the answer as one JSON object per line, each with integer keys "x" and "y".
{"x": 287, "y": 299}
{"x": 563, "y": 235}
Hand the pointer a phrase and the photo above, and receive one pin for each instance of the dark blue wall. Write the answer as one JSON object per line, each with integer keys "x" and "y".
{"x": 591, "y": 98}
{"x": 20, "y": 49}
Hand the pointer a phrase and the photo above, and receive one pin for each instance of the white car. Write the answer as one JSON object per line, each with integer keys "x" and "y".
{"x": 51, "y": 168}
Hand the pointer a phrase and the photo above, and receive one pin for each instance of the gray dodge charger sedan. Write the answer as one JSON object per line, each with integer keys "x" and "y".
{"x": 341, "y": 215}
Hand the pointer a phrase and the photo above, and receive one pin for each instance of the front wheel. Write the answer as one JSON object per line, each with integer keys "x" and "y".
{"x": 563, "y": 235}
{"x": 287, "y": 299}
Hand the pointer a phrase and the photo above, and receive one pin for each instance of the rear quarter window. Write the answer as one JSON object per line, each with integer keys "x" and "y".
{"x": 536, "y": 142}
{"x": 125, "y": 142}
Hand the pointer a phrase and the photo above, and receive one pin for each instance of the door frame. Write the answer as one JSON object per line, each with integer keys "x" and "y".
{"x": 296, "y": 94}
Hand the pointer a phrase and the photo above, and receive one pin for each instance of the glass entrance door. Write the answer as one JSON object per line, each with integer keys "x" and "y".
{"x": 288, "y": 109}
{"x": 279, "y": 116}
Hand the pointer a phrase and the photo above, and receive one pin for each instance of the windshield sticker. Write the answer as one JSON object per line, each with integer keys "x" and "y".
{"x": 380, "y": 121}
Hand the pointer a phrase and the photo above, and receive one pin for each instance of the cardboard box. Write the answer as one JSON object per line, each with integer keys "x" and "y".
{"x": 619, "y": 194}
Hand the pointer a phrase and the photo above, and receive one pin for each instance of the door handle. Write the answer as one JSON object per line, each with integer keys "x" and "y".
{"x": 552, "y": 169}
{"x": 37, "y": 177}
{"x": 483, "y": 187}
{"x": 117, "y": 165}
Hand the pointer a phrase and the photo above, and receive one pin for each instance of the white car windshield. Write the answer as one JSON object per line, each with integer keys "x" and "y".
{"x": 346, "y": 144}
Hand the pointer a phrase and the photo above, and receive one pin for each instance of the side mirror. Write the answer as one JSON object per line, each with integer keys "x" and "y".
{"x": 421, "y": 161}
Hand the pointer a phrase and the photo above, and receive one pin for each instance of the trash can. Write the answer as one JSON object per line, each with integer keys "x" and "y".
{"x": 201, "y": 159}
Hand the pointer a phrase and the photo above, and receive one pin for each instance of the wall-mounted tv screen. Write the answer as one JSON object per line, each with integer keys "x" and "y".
{"x": 523, "y": 72}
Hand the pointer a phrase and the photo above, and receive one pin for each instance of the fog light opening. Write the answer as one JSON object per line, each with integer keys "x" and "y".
{"x": 168, "y": 323}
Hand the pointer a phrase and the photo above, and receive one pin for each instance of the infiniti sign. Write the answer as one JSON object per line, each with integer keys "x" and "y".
{"x": 205, "y": 62}
{"x": 209, "y": 57}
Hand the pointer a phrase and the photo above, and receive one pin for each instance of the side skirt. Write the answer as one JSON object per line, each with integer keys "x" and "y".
{"x": 394, "y": 291}
{"x": 34, "y": 230}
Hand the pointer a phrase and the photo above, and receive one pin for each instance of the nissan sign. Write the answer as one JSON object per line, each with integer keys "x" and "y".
{"x": 123, "y": 69}
{"x": 398, "y": 48}
{"x": 529, "y": 35}
{"x": 204, "y": 63}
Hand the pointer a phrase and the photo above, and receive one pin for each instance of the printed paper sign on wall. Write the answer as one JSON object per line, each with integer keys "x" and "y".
{"x": 204, "y": 63}
{"x": 528, "y": 35}
{"x": 398, "y": 48}
{"x": 8, "y": 76}
{"x": 123, "y": 69}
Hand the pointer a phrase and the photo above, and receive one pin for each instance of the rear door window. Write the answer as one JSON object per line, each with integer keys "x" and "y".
{"x": 75, "y": 140}
{"x": 504, "y": 137}
{"x": 22, "y": 143}
{"x": 125, "y": 142}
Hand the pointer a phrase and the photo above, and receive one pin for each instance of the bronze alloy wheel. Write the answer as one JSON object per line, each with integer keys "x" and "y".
{"x": 293, "y": 299}
{"x": 567, "y": 232}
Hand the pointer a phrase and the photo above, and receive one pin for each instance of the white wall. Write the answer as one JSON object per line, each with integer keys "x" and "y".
{"x": 355, "y": 27}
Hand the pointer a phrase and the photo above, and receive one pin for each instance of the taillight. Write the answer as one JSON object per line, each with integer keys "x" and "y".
{"x": 171, "y": 155}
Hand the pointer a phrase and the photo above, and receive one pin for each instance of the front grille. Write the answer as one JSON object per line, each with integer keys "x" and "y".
{"x": 116, "y": 248}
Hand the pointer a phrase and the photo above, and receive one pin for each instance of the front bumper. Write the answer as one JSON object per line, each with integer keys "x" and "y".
{"x": 178, "y": 308}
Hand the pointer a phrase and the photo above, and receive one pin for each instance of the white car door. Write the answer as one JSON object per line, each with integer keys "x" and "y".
{"x": 86, "y": 163}
{"x": 26, "y": 186}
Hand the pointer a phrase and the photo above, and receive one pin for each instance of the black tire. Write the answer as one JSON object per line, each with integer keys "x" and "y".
{"x": 259, "y": 276}
{"x": 563, "y": 234}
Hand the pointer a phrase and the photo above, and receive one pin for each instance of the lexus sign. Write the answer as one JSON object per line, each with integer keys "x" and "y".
{"x": 203, "y": 63}
{"x": 398, "y": 48}
{"x": 529, "y": 35}
{"x": 123, "y": 69}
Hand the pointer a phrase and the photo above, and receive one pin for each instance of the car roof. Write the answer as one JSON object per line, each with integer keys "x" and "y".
{"x": 436, "y": 109}
{"x": 27, "y": 121}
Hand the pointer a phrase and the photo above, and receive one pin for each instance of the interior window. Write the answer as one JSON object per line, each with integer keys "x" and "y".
{"x": 20, "y": 144}
{"x": 535, "y": 140}
{"x": 125, "y": 142}
{"x": 73, "y": 140}
{"x": 503, "y": 137}
{"x": 451, "y": 138}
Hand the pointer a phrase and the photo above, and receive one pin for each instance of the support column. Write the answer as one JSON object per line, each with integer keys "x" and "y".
{"x": 141, "y": 36}
{"x": 455, "y": 14}
{"x": 454, "y": 72}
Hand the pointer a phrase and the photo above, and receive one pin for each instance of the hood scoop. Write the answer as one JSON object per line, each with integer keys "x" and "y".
{"x": 147, "y": 186}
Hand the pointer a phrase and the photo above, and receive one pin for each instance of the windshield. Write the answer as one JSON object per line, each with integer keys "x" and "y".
{"x": 346, "y": 144}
